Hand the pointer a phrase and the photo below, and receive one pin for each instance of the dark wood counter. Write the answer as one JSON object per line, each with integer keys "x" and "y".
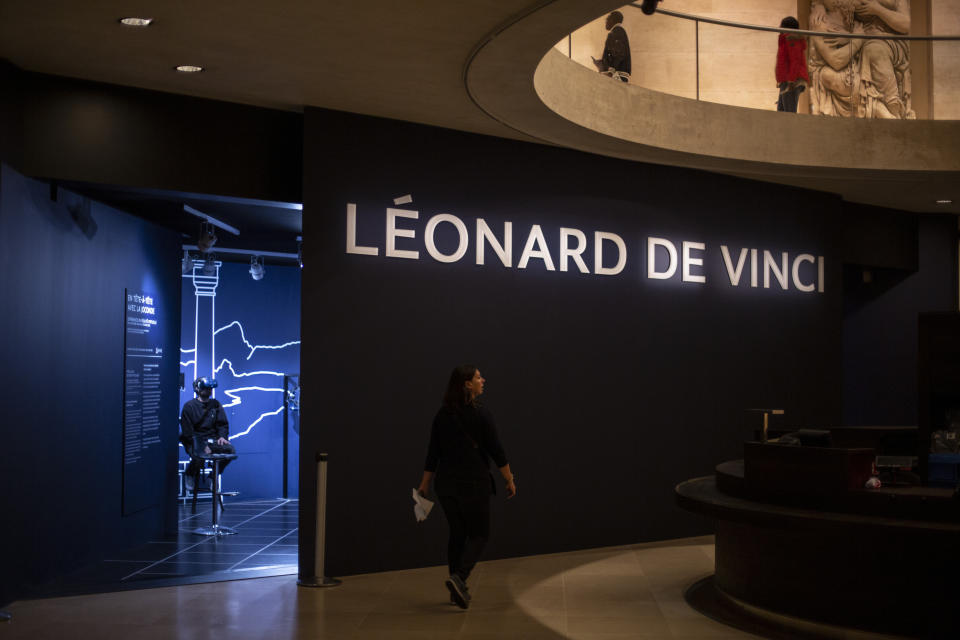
{"x": 933, "y": 504}
{"x": 874, "y": 571}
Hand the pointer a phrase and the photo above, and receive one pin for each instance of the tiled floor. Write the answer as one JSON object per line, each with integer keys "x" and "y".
{"x": 265, "y": 544}
{"x": 612, "y": 593}
{"x": 266, "y": 538}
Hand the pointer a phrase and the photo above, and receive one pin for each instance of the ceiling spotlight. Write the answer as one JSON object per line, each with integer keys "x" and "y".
{"x": 188, "y": 68}
{"x": 136, "y": 22}
{"x": 186, "y": 265}
{"x": 207, "y": 237}
{"x": 210, "y": 265}
{"x": 944, "y": 201}
{"x": 256, "y": 267}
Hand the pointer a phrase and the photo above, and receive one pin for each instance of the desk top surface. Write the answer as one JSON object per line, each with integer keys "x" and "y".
{"x": 702, "y": 495}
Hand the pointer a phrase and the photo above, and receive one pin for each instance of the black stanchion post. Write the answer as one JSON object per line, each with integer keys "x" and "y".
{"x": 319, "y": 579}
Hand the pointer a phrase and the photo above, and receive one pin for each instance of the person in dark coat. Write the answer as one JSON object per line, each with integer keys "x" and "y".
{"x": 616, "y": 51}
{"x": 791, "y": 71}
{"x": 204, "y": 416}
{"x": 463, "y": 441}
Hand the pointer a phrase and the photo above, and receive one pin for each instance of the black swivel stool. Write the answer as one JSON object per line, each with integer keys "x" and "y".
{"x": 199, "y": 446}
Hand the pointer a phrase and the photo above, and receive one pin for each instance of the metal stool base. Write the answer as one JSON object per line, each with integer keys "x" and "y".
{"x": 319, "y": 582}
{"x": 215, "y": 530}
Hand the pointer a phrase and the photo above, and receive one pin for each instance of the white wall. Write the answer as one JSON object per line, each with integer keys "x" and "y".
{"x": 945, "y": 17}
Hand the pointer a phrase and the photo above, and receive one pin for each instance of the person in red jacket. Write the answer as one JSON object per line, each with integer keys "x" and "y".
{"x": 792, "y": 76}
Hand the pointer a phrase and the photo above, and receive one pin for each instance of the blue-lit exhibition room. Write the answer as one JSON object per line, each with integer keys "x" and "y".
{"x": 712, "y": 349}
{"x": 226, "y": 314}
{"x": 131, "y": 313}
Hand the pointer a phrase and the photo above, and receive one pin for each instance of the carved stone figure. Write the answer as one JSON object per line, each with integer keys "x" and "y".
{"x": 860, "y": 78}
{"x": 834, "y": 61}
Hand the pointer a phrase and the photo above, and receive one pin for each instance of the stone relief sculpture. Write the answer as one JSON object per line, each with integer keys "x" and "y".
{"x": 860, "y": 78}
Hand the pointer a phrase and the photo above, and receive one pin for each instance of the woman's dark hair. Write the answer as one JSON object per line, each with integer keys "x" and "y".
{"x": 789, "y": 23}
{"x": 455, "y": 396}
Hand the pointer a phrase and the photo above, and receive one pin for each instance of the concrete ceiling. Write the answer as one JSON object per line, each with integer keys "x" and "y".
{"x": 401, "y": 60}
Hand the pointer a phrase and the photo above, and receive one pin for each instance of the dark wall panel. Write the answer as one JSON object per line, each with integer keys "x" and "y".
{"x": 608, "y": 390}
{"x": 881, "y": 323}
{"x": 11, "y": 122}
{"x": 874, "y": 237}
{"x": 62, "y": 380}
{"x": 81, "y": 131}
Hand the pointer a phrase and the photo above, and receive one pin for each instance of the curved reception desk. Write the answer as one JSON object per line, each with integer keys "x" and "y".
{"x": 815, "y": 546}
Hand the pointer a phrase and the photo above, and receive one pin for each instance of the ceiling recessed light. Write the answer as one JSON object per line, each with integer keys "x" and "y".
{"x": 136, "y": 22}
{"x": 188, "y": 68}
{"x": 944, "y": 201}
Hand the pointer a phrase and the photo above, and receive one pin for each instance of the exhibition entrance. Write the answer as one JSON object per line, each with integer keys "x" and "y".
{"x": 234, "y": 322}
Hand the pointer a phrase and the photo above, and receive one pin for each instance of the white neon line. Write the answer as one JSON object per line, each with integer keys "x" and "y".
{"x": 187, "y": 364}
{"x": 182, "y": 350}
{"x": 251, "y": 346}
{"x": 196, "y": 333}
{"x": 254, "y": 423}
{"x": 245, "y": 375}
{"x": 236, "y": 401}
{"x": 213, "y": 336}
{"x": 279, "y": 346}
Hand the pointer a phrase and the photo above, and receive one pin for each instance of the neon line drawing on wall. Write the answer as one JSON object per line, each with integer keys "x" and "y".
{"x": 250, "y": 346}
{"x": 245, "y": 375}
{"x": 254, "y": 423}
{"x": 188, "y": 362}
{"x": 236, "y": 401}
{"x": 205, "y": 288}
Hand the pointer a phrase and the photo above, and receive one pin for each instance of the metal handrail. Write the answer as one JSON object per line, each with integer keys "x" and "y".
{"x": 803, "y": 32}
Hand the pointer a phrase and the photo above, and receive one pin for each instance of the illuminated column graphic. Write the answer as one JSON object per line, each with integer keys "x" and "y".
{"x": 205, "y": 317}
{"x": 203, "y": 356}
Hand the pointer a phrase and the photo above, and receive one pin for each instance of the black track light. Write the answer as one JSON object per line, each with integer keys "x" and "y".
{"x": 649, "y": 7}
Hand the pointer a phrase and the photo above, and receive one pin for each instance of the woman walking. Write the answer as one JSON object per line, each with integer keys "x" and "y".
{"x": 463, "y": 440}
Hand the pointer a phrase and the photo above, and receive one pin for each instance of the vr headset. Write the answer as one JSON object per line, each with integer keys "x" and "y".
{"x": 204, "y": 383}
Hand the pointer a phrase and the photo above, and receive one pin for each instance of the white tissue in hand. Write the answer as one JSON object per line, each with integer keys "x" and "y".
{"x": 421, "y": 506}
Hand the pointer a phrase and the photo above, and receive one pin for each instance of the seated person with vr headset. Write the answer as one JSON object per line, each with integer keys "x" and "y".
{"x": 203, "y": 420}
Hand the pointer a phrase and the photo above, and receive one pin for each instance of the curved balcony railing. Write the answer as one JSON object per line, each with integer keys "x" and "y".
{"x": 852, "y": 61}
